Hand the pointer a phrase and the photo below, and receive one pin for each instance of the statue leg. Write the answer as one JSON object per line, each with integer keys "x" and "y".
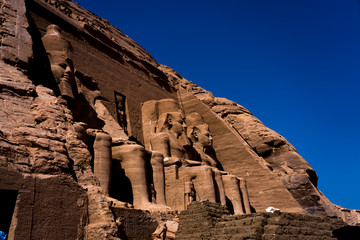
{"x": 245, "y": 195}
{"x": 102, "y": 160}
{"x": 133, "y": 159}
{"x": 219, "y": 187}
{"x": 204, "y": 182}
{"x": 157, "y": 164}
{"x": 232, "y": 191}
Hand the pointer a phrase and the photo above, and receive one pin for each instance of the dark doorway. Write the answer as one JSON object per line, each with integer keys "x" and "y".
{"x": 8, "y": 200}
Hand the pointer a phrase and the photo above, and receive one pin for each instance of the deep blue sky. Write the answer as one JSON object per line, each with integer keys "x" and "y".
{"x": 294, "y": 64}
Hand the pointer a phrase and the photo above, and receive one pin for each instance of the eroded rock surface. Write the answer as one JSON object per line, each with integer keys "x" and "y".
{"x": 37, "y": 136}
{"x": 16, "y": 43}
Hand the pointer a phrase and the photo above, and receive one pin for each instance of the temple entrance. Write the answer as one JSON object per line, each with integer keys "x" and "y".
{"x": 8, "y": 200}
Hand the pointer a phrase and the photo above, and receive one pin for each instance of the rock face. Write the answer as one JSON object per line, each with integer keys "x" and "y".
{"x": 16, "y": 44}
{"x": 81, "y": 146}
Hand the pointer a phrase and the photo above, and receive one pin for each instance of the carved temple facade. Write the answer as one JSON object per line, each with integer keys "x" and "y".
{"x": 94, "y": 131}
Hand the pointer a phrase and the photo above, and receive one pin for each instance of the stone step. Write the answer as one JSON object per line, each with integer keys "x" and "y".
{"x": 298, "y": 231}
{"x": 294, "y": 237}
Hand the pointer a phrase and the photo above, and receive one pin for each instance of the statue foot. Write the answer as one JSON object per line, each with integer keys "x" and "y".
{"x": 118, "y": 204}
{"x": 155, "y": 207}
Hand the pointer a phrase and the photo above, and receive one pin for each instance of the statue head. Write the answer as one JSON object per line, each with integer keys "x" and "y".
{"x": 58, "y": 50}
{"x": 198, "y": 130}
{"x": 172, "y": 121}
{"x": 200, "y": 135}
{"x": 53, "y": 29}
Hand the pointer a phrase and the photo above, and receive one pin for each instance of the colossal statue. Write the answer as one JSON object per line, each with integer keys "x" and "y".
{"x": 233, "y": 187}
{"x": 58, "y": 50}
{"x": 195, "y": 161}
{"x": 170, "y": 139}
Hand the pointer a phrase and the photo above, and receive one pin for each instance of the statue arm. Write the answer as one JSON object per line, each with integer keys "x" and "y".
{"x": 160, "y": 142}
{"x": 209, "y": 161}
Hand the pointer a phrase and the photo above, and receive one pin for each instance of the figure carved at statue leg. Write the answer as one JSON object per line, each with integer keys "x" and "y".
{"x": 203, "y": 182}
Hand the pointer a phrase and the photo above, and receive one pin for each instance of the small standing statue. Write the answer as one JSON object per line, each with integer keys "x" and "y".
{"x": 189, "y": 192}
{"x": 121, "y": 111}
{"x": 58, "y": 50}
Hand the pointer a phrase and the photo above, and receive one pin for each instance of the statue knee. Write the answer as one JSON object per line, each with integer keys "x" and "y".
{"x": 135, "y": 148}
{"x": 230, "y": 179}
{"x": 104, "y": 137}
{"x": 157, "y": 158}
{"x": 127, "y": 149}
{"x": 156, "y": 154}
{"x": 207, "y": 170}
{"x": 130, "y": 155}
{"x": 242, "y": 182}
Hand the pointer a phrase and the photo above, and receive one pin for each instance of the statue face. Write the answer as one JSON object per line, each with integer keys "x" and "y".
{"x": 67, "y": 73}
{"x": 203, "y": 136}
{"x": 177, "y": 122}
{"x": 61, "y": 67}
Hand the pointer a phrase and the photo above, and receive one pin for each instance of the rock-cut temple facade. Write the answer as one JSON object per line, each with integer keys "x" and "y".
{"x": 99, "y": 141}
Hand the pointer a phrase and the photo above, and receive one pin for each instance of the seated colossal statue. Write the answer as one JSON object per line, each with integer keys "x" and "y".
{"x": 58, "y": 50}
{"x": 170, "y": 139}
{"x": 202, "y": 178}
{"x": 234, "y": 188}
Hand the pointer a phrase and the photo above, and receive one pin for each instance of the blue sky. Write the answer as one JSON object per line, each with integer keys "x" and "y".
{"x": 294, "y": 64}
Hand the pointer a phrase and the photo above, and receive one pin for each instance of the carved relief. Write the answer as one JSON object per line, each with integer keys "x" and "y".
{"x": 64, "y": 8}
